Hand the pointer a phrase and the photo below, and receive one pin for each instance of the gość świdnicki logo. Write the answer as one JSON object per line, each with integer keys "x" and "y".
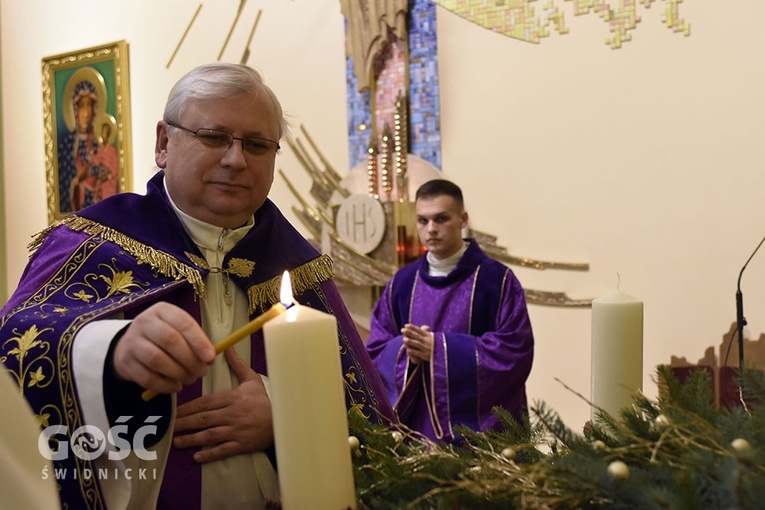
{"x": 90, "y": 442}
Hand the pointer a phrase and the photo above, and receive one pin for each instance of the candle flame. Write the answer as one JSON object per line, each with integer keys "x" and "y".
{"x": 285, "y": 295}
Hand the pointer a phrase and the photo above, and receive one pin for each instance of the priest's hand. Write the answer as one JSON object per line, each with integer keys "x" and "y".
{"x": 163, "y": 349}
{"x": 230, "y": 422}
{"x": 418, "y": 342}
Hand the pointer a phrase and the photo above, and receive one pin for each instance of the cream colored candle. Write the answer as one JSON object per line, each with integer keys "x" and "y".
{"x": 308, "y": 404}
{"x": 617, "y": 351}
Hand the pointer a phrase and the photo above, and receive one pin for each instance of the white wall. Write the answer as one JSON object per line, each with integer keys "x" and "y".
{"x": 644, "y": 161}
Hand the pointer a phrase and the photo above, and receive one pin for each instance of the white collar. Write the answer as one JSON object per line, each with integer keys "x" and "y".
{"x": 445, "y": 266}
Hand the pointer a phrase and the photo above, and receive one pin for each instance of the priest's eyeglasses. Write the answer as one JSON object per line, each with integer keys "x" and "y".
{"x": 214, "y": 139}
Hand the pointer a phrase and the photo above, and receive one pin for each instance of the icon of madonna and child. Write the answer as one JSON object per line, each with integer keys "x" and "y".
{"x": 88, "y": 161}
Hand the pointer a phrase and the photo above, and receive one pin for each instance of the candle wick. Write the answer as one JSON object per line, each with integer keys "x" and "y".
{"x": 618, "y": 280}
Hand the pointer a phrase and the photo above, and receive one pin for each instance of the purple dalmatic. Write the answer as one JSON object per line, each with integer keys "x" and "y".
{"x": 482, "y": 352}
{"x": 122, "y": 255}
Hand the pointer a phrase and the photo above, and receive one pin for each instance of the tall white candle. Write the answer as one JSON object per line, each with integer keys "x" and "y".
{"x": 617, "y": 351}
{"x": 308, "y": 405}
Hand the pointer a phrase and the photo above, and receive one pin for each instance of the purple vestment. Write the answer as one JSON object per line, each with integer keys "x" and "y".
{"x": 124, "y": 254}
{"x": 482, "y": 352}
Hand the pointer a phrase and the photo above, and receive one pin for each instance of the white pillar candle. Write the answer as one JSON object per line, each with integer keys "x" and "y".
{"x": 617, "y": 351}
{"x": 308, "y": 405}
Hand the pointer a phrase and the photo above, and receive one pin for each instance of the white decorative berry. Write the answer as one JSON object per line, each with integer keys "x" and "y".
{"x": 618, "y": 470}
{"x": 599, "y": 445}
{"x": 661, "y": 423}
{"x": 508, "y": 453}
{"x": 397, "y": 436}
{"x": 741, "y": 447}
{"x": 354, "y": 443}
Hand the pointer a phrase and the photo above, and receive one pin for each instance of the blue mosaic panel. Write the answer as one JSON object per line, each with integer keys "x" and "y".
{"x": 424, "y": 113}
{"x": 359, "y": 117}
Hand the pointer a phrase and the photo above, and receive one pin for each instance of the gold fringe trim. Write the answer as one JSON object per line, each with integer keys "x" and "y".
{"x": 304, "y": 277}
{"x": 197, "y": 260}
{"x": 163, "y": 263}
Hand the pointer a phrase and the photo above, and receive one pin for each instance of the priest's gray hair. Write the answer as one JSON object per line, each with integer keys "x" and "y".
{"x": 218, "y": 80}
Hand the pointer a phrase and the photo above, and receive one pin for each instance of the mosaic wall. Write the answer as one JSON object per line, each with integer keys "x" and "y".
{"x": 519, "y": 19}
{"x": 391, "y": 81}
{"x": 359, "y": 117}
{"x": 424, "y": 114}
{"x": 424, "y": 118}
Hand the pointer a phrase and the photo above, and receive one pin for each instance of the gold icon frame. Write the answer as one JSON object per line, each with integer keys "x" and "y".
{"x": 106, "y": 68}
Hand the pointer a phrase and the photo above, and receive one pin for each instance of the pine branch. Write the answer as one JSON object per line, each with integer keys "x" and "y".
{"x": 677, "y": 452}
